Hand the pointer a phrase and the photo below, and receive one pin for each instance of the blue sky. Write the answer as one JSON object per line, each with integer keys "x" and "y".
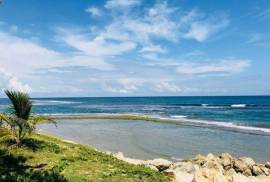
{"x": 135, "y": 47}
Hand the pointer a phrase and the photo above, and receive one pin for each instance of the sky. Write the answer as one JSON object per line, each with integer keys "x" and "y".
{"x": 68, "y": 48}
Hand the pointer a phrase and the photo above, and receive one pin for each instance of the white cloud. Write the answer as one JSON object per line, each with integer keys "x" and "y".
{"x": 124, "y": 86}
{"x": 153, "y": 48}
{"x": 98, "y": 46}
{"x": 12, "y": 82}
{"x": 111, "y": 58}
{"x": 221, "y": 67}
{"x": 165, "y": 86}
{"x": 24, "y": 59}
{"x": 153, "y": 57}
{"x": 93, "y": 11}
{"x": 164, "y": 23}
{"x": 112, "y": 4}
{"x": 201, "y": 30}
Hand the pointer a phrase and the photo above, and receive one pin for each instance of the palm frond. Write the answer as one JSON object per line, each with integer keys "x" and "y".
{"x": 39, "y": 119}
{"x": 4, "y": 117}
{"x": 21, "y": 104}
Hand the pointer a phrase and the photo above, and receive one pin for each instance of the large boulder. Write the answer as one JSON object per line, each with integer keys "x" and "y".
{"x": 226, "y": 161}
{"x": 247, "y": 172}
{"x": 230, "y": 172}
{"x": 267, "y": 165}
{"x": 239, "y": 166}
{"x": 180, "y": 176}
{"x": 242, "y": 164}
{"x": 248, "y": 161}
{"x": 212, "y": 162}
{"x": 258, "y": 170}
{"x": 121, "y": 156}
{"x": 185, "y": 167}
{"x": 266, "y": 170}
{"x": 199, "y": 159}
{"x": 209, "y": 175}
{"x": 152, "y": 167}
{"x": 160, "y": 164}
{"x": 210, "y": 156}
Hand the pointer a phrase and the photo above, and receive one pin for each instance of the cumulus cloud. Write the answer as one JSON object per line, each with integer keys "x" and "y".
{"x": 129, "y": 53}
{"x": 163, "y": 22}
{"x": 24, "y": 59}
{"x": 11, "y": 82}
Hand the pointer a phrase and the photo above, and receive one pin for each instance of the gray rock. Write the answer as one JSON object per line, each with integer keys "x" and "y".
{"x": 240, "y": 165}
{"x": 266, "y": 171}
{"x": 247, "y": 172}
{"x": 248, "y": 161}
{"x": 267, "y": 165}
{"x": 180, "y": 176}
{"x": 185, "y": 167}
{"x": 225, "y": 160}
{"x": 209, "y": 175}
{"x": 160, "y": 164}
{"x": 257, "y": 171}
{"x": 152, "y": 167}
{"x": 230, "y": 172}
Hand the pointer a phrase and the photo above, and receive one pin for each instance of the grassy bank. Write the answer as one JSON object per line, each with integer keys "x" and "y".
{"x": 118, "y": 117}
{"x": 44, "y": 158}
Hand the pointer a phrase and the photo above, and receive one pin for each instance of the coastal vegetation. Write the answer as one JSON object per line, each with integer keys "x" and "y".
{"x": 44, "y": 158}
{"x": 28, "y": 156}
{"x": 20, "y": 119}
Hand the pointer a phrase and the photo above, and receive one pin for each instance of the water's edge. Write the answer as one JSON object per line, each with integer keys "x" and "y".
{"x": 227, "y": 126}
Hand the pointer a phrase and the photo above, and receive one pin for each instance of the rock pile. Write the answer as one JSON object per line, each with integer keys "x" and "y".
{"x": 210, "y": 168}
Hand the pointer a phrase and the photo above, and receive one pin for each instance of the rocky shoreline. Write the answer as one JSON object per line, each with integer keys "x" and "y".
{"x": 210, "y": 168}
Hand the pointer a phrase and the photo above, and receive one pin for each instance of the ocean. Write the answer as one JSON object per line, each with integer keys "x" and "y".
{"x": 232, "y": 111}
{"x": 236, "y": 124}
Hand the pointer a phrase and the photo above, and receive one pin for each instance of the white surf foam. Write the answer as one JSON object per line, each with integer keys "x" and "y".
{"x": 228, "y": 125}
{"x": 217, "y": 124}
{"x": 238, "y": 105}
{"x": 52, "y": 102}
{"x": 178, "y": 116}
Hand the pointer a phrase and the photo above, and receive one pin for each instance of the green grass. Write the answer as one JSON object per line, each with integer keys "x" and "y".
{"x": 44, "y": 158}
{"x": 119, "y": 117}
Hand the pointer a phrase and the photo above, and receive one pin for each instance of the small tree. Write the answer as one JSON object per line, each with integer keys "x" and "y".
{"x": 19, "y": 119}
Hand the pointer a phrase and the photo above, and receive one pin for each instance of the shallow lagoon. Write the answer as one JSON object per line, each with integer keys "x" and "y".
{"x": 148, "y": 140}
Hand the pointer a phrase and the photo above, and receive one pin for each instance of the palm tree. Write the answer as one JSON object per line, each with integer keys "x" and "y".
{"x": 20, "y": 120}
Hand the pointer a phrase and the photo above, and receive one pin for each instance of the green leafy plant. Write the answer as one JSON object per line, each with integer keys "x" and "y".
{"x": 20, "y": 119}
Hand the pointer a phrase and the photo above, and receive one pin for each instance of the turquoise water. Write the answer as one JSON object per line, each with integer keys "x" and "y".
{"x": 239, "y": 125}
{"x": 238, "y": 113}
{"x": 148, "y": 140}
